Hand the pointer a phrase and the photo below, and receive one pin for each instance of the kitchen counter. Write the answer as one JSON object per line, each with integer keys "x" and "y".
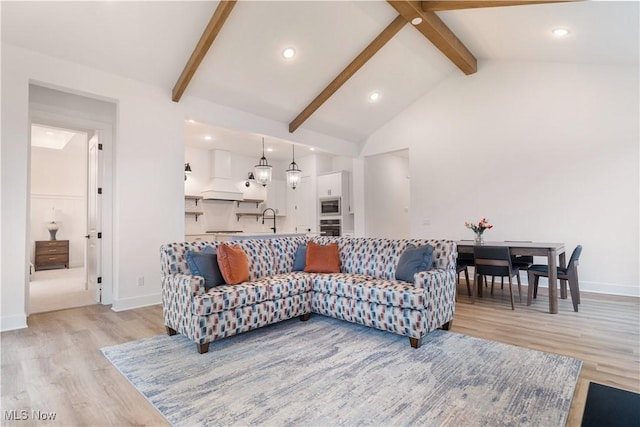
{"x": 246, "y": 236}
{"x": 227, "y": 237}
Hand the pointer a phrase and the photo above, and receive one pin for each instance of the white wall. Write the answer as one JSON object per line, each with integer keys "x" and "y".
{"x": 147, "y": 182}
{"x": 387, "y": 196}
{"x": 58, "y": 188}
{"x": 547, "y": 152}
{"x": 148, "y": 159}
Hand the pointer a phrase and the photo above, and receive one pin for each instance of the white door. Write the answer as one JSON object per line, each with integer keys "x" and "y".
{"x": 94, "y": 195}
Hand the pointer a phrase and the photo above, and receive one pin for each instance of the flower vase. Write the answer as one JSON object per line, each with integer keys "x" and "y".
{"x": 479, "y": 239}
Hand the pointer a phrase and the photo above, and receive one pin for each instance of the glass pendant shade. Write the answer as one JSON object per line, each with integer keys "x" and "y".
{"x": 293, "y": 173}
{"x": 263, "y": 169}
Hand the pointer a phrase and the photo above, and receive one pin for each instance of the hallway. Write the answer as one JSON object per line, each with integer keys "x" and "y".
{"x": 59, "y": 289}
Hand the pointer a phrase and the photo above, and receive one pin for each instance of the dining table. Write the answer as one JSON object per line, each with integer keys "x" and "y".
{"x": 554, "y": 252}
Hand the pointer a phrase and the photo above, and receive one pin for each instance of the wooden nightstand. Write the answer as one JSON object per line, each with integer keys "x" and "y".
{"x": 52, "y": 253}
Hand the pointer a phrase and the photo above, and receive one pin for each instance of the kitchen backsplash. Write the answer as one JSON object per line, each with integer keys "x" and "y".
{"x": 221, "y": 215}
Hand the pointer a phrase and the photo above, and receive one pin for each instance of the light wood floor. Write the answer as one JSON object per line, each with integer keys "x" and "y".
{"x": 56, "y": 366}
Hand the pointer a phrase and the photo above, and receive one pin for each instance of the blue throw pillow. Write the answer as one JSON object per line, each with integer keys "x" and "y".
{"x": 205, "y": 264}
{"x": 413, "y": 260}
{"x": 300, "y": 261}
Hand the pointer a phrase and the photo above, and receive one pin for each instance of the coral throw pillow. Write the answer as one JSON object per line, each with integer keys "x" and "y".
{"x": 233, "y": 264}
{"x": 322, "y": 259}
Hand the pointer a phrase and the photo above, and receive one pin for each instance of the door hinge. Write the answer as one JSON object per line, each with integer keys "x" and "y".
{"x": 100, "y": 235}
{"x": 99, "y": 146}
{"x": 99, "y": 190}
{"x": 99, "y": 279}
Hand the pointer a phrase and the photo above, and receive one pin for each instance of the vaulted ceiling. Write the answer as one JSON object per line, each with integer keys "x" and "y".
{"x": 244, "y": 68}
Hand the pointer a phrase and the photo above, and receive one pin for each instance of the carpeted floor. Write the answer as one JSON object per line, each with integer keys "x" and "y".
{"x": 330, "y": 372}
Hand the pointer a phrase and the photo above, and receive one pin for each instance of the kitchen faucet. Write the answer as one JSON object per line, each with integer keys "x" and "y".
{"x": 274, "y": 218}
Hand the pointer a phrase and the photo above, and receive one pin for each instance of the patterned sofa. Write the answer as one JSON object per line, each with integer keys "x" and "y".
{"x": 365, "y": 291}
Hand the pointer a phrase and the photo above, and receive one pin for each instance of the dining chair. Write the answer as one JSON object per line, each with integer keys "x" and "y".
{"x": 568, "y": 273}
{"x": 523, "y": 262}
{"x": 496, "y": 261}
{"x": 462, "y": 265}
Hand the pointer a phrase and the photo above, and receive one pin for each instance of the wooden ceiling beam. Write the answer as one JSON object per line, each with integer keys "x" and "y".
{"x": 206, "y": 40}
{"x": 368, "y": 52}
{"x": 437, "y": 33}
{"x": 440, "y": 5}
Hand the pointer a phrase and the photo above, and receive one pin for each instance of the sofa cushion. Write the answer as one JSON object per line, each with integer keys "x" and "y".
{"x": 233, "y": 263}
{"x": 228, "y": 297}
{"x": 413, "y": 260}
{"x": 377, "y": 257}
{"x": 173, "y": 259}
{"x": 205, "y": 264}
{"x": 284, "y": 251}
{"x": 444, "y": 252}
{"x": 394, "y": 293}
{"x": 340, "y": 284}
{"x": 288, "y": 284}
{"x": 322, "y": 258}
{"x": 260, "y": 255}
{"x": 300, "y": 260}
{"x": 345, "y": 250}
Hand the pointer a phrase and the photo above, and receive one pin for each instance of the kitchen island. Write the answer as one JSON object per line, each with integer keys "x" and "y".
{"x": 235, "y": 236}
{"x": 255, "y": 235}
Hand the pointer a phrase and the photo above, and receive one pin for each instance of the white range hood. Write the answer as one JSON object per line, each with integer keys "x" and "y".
{"x": 221, "y": 186}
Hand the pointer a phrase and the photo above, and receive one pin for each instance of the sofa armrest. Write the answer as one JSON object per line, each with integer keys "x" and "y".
{"x": 431, "y": 278}
{"x": 183, "y": 284}
{"x": 178, "y": 291}
{"x": 440, "y": 292}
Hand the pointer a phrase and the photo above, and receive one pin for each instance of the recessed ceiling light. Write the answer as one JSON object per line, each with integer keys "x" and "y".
{"x": 49, "y": 133}
{"x": 191, "y": 121}
{"x": 312, "y": 149}
{"x": 416, "y": 21}
{"x": 289, "y": 53}
{"x": 269, "y": 149}
{"x": 374, "y": 96}
{"x": 560, "y": 32}
{"x": 208, "y": 137}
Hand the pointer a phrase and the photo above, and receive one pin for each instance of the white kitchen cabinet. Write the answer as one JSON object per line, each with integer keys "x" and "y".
{"x": 336, "y": 184}
{"x": 277, "y": 197}
{"x": 332, "y": 184}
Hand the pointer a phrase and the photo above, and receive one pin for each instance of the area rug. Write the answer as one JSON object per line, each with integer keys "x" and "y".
{"x": 329, "y": 372}
{"x": 610, "y": 406}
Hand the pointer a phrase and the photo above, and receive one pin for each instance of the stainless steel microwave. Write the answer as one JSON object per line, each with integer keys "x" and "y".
{"x": 330, "y": 206}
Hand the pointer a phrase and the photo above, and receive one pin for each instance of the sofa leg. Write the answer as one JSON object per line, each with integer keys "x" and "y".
{"x": 171, "y": 331}
{"x": 447, "y": 325}
{"x": 415, "y": 342}
{"x": 203, "y": 348}
{"x": 305, "y": 317}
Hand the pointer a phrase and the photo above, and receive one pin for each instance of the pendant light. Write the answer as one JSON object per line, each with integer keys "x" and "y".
{"x": 263, "y": 169}
{"x": 293, "y": 173}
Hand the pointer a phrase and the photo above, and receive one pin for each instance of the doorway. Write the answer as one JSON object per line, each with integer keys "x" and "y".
{"x": 387, "y": 195}
{"x": 58, "y": 219}
{"x": 92, "y": 189}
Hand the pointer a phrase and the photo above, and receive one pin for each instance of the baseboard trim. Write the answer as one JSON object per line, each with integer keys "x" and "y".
{"x": 598, "y": 287}
{"x": 136, "y": 302}
{"x": 11, "y": 323}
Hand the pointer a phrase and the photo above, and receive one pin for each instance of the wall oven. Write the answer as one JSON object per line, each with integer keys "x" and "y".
{"x": 330, "y": 206}
{"x": 330, "y": 227}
